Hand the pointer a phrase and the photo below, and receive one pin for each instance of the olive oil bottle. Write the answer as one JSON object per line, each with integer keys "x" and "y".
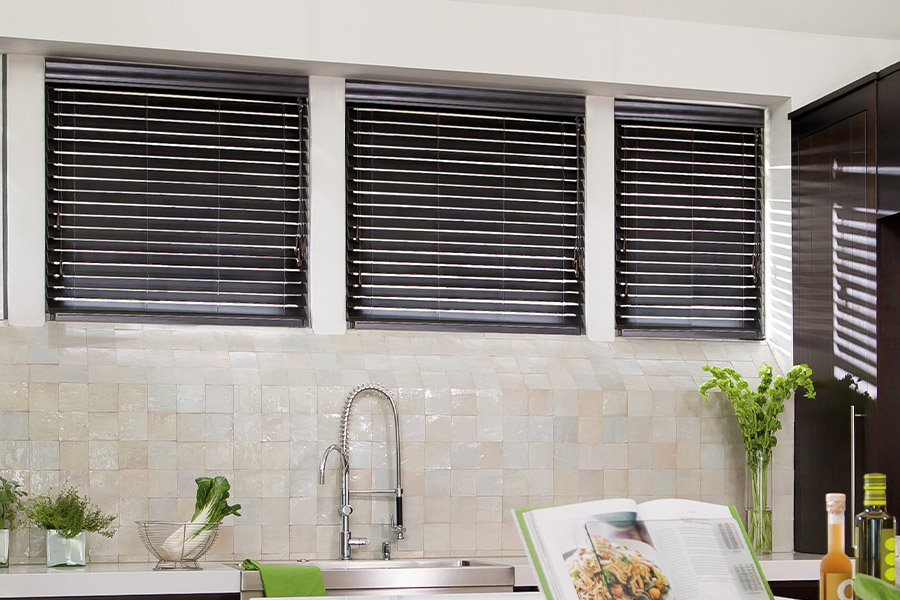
{"x": 875, "y": 531}
{"x": 836, "y": 572}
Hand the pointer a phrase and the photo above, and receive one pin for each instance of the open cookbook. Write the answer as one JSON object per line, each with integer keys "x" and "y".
{"x": 659, "y": 550}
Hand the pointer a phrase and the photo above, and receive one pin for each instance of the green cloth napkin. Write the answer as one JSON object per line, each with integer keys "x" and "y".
{"x": 288, "y": 580}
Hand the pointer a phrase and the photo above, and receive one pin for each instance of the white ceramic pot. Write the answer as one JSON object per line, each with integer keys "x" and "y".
{"x": 65, "y": 552}
{"x": 4, "y": 547}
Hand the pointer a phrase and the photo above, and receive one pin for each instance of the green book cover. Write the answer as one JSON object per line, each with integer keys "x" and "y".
{"x": 737, "y": 517}
{"x": 530, "y": 548}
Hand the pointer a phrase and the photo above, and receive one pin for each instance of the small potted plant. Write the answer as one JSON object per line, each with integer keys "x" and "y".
{"x": 10, "y": 506}
{"x": 758, "y": 410}
{"x": 66, "y": 517}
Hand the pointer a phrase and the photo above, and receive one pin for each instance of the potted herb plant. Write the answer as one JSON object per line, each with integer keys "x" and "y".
{"x": 10, "y": 505}
{"x": 758, "y": 410}
{"x": 66, "y": 517}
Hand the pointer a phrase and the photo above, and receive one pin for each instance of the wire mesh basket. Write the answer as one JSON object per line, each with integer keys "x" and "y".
{"x": 177, "y": 545}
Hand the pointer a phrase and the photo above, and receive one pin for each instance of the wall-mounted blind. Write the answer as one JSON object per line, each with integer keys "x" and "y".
{"x": 464, "y": 209}
{"x": 688, "y": 220}
{"x": 176, "y": 194}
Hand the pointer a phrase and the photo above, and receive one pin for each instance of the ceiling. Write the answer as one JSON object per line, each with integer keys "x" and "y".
{"x": 859, "y": 18}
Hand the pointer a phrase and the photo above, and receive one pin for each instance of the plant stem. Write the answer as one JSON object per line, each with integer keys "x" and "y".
{"x": 759, "y": 516}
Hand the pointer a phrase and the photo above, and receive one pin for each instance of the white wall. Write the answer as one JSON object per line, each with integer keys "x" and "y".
{"x": 599, "y": 217}
{"x": 328, "y": 206}
{"x": 25, "y": 189}
{"x": 2, "y": 187}
{"x": 466, "y": 43}
{"x": 777, "y": 242}
{"x": 587, "y": 52}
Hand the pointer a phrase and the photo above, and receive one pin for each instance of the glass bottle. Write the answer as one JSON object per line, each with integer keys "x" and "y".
{"x": 875, "y": 531}
{"x": 836, "y": 572}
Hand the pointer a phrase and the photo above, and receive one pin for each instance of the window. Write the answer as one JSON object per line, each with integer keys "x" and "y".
{"x": 464, "y": 209}
{"x": 688, "y": 220}
{"x": 175, "y": 194}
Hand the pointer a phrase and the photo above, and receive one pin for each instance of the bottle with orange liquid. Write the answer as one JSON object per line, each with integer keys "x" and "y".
{"x": 836, "y": 572}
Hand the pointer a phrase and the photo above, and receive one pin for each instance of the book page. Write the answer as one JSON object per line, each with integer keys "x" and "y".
{"x": 706, "y": 558}
{"x": 561, "y": 541}
{"x": 625, "y": 565}
{"x": 675, "y": 508}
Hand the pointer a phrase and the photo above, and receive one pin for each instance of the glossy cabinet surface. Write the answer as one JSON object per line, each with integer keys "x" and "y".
{"x": 834, "y": 301}
{"x": 846, "y": 187}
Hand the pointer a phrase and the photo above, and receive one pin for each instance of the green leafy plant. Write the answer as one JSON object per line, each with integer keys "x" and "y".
{"x": 758, "y": 410}
{"x": 69, "y": 514}
{"x": 10, "y": 503}
{"x": 866, "y": 587}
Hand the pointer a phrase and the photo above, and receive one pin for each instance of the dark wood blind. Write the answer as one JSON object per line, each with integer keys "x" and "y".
{"x": 688, "y": 220}
{"x": 463, "y": 213}
{"x": 185, "y": 204}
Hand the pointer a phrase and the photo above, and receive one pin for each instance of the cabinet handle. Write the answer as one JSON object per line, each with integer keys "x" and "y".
{"x": 853, "y": 469}
{"x": 853, "y": 416}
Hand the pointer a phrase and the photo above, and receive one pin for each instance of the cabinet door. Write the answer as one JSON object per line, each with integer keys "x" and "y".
{"x": 887, "y": 418}
{"x": 834, "y": 302}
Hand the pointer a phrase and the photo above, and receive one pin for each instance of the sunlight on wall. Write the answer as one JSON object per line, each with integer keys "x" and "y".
{"x": 777, "y": 217}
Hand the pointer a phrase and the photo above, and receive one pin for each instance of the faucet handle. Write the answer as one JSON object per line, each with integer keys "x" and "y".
{"x": 398, "y": 530}
{"x": 386, "y": 551}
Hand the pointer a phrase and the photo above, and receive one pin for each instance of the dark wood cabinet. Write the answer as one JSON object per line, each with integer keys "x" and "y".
{"x": 846, "y": 289}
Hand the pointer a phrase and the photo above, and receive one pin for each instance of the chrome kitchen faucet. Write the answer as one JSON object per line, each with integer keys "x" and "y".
{"x": 347, "y": 541}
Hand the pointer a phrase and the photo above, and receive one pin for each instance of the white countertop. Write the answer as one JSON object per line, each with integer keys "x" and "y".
{"x": 504, "y": 596}
{"x": 38, "y": 581}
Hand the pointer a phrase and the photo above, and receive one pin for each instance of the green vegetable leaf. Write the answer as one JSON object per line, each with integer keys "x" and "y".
{"x": 211, "y": 505}
{"x": 866, "y": 587}
{"x": 204, "y": 486}
{"x": 10, "y": 503}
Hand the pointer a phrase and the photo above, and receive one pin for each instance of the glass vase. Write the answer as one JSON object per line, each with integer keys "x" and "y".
{"x": 759, "y": 511}
{"x": 65, "y": 552}
{"x": 4, "y": 548}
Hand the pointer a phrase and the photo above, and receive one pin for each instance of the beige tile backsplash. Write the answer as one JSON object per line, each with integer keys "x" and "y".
{"x": 132, "y": 414}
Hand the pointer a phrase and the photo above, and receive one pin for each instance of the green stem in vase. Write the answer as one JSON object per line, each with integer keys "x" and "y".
{"x": 759, "y": 516}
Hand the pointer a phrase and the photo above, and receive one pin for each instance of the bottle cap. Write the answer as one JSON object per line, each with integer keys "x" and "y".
{"x": 875, "y": 486}
{"x": 835, "y": 502}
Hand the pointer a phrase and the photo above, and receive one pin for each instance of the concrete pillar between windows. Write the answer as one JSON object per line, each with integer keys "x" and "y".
{"x": 599, "y": 219}
{"x": 25, "y": 181}
{"x": 327, "y": 207}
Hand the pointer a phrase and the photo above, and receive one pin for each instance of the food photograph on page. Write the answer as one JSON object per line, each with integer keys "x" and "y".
{"x": 613, "y": 559}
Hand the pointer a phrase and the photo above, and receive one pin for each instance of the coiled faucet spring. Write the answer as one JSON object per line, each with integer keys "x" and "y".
{"x": 397, "y": 526}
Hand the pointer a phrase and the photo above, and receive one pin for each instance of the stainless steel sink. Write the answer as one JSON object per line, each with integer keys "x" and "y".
{"x": 438, "y": 575}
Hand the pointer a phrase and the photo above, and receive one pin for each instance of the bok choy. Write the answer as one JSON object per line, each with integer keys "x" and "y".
{"x": 210, "y": 509}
